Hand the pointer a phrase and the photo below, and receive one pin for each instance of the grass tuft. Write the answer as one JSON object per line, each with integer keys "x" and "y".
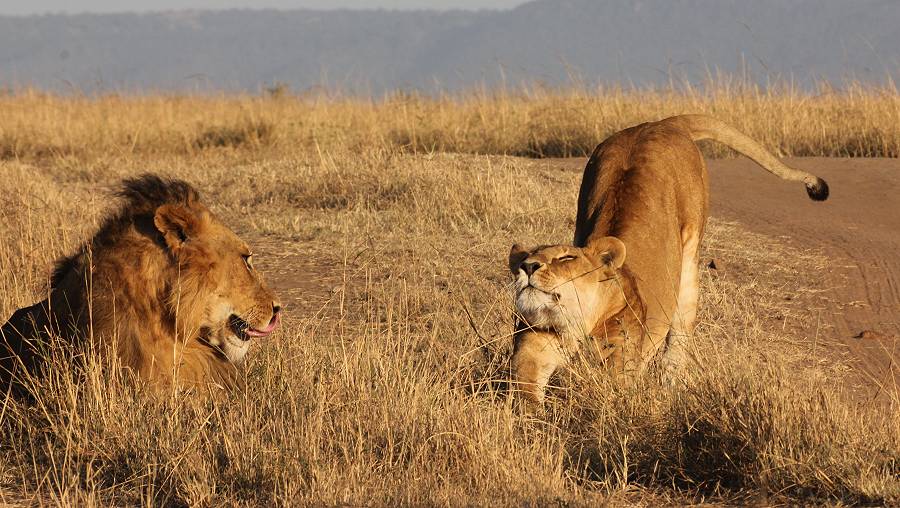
{"x": 248, "y": 134}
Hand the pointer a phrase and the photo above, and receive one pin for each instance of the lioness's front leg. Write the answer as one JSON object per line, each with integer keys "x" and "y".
{"x": 536, "y": 356}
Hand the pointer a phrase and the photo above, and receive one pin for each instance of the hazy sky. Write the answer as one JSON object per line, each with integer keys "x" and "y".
{"x": 25, "y": 7}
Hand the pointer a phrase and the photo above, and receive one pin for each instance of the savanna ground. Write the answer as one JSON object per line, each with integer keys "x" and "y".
{"x": 385, "y": 227}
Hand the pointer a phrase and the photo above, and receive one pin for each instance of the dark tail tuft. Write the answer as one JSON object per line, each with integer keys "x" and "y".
{"x": 817, "y": 191}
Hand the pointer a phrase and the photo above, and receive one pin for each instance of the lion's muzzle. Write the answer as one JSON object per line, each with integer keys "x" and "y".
{"x": 246, "y": 331}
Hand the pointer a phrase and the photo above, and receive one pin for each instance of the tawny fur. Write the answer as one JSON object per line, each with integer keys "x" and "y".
{"x": 630, "y": 282}
{"x": 161, "y": 282}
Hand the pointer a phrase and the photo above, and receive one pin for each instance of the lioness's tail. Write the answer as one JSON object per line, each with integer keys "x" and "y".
{"x": 706, "y": 127}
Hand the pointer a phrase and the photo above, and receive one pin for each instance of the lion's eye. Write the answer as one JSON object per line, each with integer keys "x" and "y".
{"x": 248, "y": 260}
{"x": 566, "y": 258}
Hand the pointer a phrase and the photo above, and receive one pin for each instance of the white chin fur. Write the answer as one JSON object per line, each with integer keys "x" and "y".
{"x": 225, "y": 340}
{"x": 541, "y": 310}
{"x": 234, "y": 348}
{"x": 544, "y": 311}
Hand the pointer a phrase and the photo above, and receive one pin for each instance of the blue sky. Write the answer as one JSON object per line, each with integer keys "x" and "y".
{"x": 26, "y": 7}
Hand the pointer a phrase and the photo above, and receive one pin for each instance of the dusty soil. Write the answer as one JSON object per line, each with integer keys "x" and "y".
{"x": 304, "y": 279}
{"x": 857, "y": 228}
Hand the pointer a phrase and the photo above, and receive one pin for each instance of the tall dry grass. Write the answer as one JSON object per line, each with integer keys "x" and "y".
{"x": 385, "y": 385}
{"x": 855, "y": 121}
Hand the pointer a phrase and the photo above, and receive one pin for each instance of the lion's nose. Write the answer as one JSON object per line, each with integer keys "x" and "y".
{"x": 531, "y": 267}
{"x": 276, "y": 308}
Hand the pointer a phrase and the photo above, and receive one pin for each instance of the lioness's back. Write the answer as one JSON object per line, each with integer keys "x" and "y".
{"x": 655, "y": 164}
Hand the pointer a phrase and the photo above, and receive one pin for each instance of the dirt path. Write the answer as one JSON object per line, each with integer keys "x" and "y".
{"x": 858, "y": 228}
{"x": 301, "y": 277}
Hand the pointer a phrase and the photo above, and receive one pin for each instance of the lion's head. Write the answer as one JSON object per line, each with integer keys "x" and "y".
{"x": 224, "y": 296}
{"x": 214, "y": 286}
{"x": 567, "y": 289}
{"x": 164, "y": 281}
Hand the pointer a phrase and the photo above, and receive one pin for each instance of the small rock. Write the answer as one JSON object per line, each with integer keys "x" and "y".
{"x": 870, "y": 335}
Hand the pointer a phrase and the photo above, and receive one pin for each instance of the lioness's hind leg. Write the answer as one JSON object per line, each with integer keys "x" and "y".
{"x": 537, "y": 356}
{"x": 686, "y": 309}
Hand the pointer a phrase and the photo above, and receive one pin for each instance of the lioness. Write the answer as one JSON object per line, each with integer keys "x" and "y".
{"x": 644, "y": 192}
{"x": 165, "y": 282}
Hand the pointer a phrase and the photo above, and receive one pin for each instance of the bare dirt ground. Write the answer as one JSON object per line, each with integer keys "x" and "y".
{"x": 303, "y": 278}
{"x": 858, "y": 228}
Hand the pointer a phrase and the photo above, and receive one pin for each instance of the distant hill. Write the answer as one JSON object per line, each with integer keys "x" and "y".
{"x": 640, "y": 42}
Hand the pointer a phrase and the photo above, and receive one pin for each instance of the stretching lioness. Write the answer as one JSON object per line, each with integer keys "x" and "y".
{"x": 644, "y": 192}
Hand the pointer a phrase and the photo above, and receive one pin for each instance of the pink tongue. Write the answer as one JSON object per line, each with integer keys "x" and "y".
{"x": 253, "y": 332}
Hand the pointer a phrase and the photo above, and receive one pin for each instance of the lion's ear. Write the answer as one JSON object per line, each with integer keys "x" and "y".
{"x": 177, "y": 224}
{"x": 516, "y": 255}
{"x": 608, "y": 250}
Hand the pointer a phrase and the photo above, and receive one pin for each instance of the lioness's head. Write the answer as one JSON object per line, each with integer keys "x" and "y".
{"x": 215, "y": 288}
{"x": 564, "y": 288}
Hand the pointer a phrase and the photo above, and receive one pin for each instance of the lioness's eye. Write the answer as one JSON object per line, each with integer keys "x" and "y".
{"x": 566, "y": 258}
{"x": 248, "y": 260}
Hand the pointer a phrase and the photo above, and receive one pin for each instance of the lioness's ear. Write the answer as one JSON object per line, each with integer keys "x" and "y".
{"x": 609, "y": 250}
{"x": 516, "y": 255}
{"x": 176, "y": 223}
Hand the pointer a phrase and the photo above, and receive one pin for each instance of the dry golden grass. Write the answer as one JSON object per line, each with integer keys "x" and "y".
{"x": 385, "y": 385}
{"x": 856, "y": 121}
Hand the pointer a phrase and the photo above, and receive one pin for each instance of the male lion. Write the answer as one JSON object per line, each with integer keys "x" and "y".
{"x": 644, "y": 190}
{"x": 163, "y": 282}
